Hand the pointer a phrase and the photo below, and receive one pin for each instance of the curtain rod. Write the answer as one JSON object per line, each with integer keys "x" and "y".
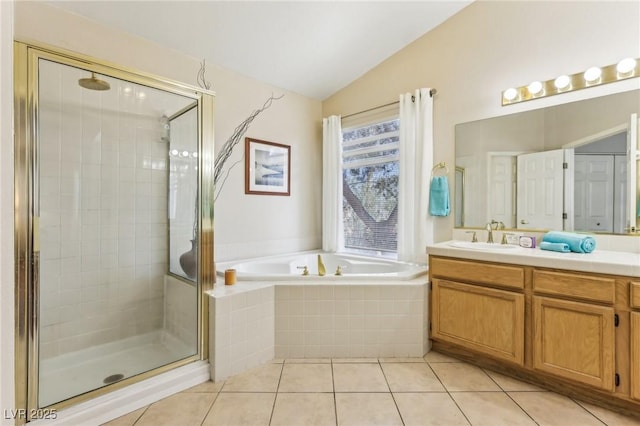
{"x": 431, "y": 93}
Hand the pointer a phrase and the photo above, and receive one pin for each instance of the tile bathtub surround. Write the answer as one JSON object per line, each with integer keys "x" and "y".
{"x": 350, "y": 320}
{"x": 254, "y": 322}
{"x": 416, "y": 391}
{"x": 241, "y": 329}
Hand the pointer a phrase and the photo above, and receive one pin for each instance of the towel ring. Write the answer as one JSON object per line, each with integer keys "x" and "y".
{"x": 439, "y": 166}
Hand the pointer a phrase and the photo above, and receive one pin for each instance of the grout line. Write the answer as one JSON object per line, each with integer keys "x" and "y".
{"x": 142, "y": 414}
{"x": 210, "y": 407}
{"x": 392, "y": 396}
{"x": 494, "y": 381}
{"x": 335, "y": 403}
{"x": 519, "y": 406}
{"x": 588, "y": 411}
{"x": 275, "y": 398}
{"x": 449, "y": 393}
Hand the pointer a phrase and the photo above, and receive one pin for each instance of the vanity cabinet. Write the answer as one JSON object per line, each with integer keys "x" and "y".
{"x": 634, "y": 302}
{"x": 575, "y": 341}
{"x": 575, "y": 338}
{"x": 485, "y": 319}
{"x": 635, "y": 355}
{"x": 466, "y": 312}
{"x": 573, "y": 332}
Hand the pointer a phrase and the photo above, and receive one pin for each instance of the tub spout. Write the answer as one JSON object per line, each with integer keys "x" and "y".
{"x": 321, "y": 269}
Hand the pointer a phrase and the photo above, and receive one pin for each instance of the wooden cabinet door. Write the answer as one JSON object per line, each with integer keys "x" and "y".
{"x": 635, "y": 355}
{"x": 575, "y": 341}
{"x": 482, "y": 319}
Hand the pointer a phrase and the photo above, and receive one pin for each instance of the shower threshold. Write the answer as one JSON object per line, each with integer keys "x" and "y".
{"x": 75, "y": 373}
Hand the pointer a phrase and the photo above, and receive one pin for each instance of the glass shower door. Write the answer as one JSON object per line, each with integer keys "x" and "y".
{"x": 108, "y": 307}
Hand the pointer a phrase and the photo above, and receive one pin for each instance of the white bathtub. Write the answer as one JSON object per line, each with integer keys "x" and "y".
{"x": 377, "y": 308}
{"x": 289, "y": 268}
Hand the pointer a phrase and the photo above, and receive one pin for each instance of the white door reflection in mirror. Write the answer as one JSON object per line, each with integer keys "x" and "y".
{"x": 633, "y": 155}
{"x": 540, "y": 190}
{"x": 594, "y": 193}
{"x": 501, "y": 184}
{"x": 600, "y": 173}
{"x": 620, "y": 192}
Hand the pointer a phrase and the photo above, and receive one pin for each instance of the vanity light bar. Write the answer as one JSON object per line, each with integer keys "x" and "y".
{"x": 594, "y": 76}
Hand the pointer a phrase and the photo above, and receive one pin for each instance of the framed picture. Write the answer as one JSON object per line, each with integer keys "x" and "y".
{"x": 267, "y": 168}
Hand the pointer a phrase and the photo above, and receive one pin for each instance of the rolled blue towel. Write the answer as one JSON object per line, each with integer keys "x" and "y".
{"x": 578, "y": 243}
{"x": 439, "y": 196}
{"x": 561, "y": 247}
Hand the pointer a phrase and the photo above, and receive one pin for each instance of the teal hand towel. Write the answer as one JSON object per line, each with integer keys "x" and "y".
{"x": 561, "y": 247}
{"x": 439, "y": 196}
{"x": 578, "y": 243}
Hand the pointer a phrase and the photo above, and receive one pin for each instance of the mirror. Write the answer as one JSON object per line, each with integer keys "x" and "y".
{"x": 561, "y": 167}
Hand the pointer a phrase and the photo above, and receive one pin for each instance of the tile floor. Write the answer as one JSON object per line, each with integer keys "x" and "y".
{"x": 434, "y": 390}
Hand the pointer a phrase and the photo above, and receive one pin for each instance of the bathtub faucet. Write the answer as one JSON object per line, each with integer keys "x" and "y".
{"x": 305, "y": 270}
{"x": 321, "y": 269}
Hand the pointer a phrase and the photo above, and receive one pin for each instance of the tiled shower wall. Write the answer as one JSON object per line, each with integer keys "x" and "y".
{"x": 103, "y": 213}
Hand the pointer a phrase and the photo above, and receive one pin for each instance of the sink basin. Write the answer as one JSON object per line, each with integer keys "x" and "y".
{"x": 482, "y": 246}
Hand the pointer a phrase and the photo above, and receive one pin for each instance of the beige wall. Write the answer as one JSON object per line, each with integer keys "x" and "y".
{"x": 490, "y": 46}
{"x": 294, "y": 120}
{"x": 245, "y": 225}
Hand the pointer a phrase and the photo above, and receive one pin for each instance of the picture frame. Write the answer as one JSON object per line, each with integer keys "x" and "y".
{"x": 267, "y": 168}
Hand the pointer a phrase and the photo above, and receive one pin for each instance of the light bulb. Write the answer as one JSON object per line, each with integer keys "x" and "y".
{"x": 562, "y": 82}
{"x": 174, "y": 152}
{"x": 510, "y": 94}
{"x": 535, "y": 88}
{"x": 141, "y": 95}
{"x": 626, "y": 65}
{"x": 592, "y": 74}
{"x": 185, "y": 153}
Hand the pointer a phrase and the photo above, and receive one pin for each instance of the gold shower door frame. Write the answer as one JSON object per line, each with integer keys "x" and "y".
{"x": 26, "y": 212}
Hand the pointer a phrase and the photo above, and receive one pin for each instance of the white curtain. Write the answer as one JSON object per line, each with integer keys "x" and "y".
{"x": 415, "y": 226}
{"x": 332, "y": 234}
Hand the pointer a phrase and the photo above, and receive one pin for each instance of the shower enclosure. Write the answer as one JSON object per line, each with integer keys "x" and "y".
{"x": 114, "y": 225}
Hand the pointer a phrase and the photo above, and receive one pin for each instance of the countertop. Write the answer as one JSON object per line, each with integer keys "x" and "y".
{"x": 598, "y": 261}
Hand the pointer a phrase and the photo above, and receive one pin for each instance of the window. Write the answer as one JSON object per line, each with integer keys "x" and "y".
{"x": 370, "y": 186}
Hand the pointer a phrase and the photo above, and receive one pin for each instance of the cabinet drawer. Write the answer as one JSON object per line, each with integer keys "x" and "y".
{"x": 575, "y": 285}
{"x": 485, "y": 273}
{"x": 635, "y": 294}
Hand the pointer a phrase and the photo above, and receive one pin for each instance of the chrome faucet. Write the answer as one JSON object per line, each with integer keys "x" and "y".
{"x": 491, "y": 226}
{"x": 490, "y": 232}
{"x": 321, "y": 269}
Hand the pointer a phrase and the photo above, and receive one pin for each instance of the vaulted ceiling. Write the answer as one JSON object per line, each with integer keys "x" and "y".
{"x": 314, "y": 48}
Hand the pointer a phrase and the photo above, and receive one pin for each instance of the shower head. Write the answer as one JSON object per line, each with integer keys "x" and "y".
{"x": 94, "y": 83}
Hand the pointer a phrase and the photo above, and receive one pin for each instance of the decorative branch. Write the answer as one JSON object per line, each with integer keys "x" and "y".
{"x": 226, "y": 175}
{"x": 234, "y": 139}
{"x": 202, "y": 82}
